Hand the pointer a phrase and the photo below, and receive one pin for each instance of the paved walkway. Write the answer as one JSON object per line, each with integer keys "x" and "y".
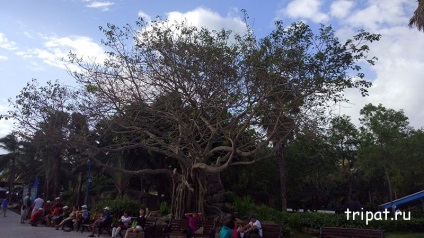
{"x": 11, "y": 226}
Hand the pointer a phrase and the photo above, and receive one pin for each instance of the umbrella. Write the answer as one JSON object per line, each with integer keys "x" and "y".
{"x": 3, "y": 189}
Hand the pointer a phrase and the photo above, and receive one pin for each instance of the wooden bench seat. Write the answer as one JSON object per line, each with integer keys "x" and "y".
{"x": 176, "y": 228}
{"x": 270, "y": 229}
{"x": 149, "y": 228}
{"x": 339, "y": 232}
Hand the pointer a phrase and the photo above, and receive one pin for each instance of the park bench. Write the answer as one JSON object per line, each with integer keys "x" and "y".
{"x": 339, "y": 232}
{"x": 149, "y": 228}
{"x": 270, "y": 229}
{"x": 176, "y": 228}
{"x": 86, "y": 224}
{"x": 106, "y": 226}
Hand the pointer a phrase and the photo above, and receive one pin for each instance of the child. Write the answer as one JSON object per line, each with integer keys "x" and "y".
{"x": 4, "y": 206}
{"x": 23, "y": 214}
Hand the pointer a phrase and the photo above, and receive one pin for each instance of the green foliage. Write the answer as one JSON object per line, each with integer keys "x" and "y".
{"x": 164, "y": 209}
{"x": 117, "y": 207}
{"x": 244, "y": 205}
{"x": 316, "y": 220}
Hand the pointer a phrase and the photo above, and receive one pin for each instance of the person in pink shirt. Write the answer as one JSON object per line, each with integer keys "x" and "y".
{"x": 193, "y": 218}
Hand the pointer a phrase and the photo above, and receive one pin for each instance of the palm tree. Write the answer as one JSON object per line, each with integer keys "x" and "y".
{"x": 417, "y": 19}
{"x": 10, "y": 144}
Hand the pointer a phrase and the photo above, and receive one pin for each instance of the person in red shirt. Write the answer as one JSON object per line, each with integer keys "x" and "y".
{"x": 36, "y": 217}
{"x": 47, "y": 208}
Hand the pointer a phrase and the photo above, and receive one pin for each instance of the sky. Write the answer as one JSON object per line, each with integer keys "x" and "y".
{"x": 36, "y": 35}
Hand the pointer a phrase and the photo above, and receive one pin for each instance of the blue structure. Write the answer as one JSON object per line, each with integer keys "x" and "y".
{"x": 413, "y": 198}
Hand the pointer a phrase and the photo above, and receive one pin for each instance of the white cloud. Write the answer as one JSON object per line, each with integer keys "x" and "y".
{"x": 7, "y": 44}
{"x": 340, "y": 8}
{"x": 398, "y": 83}
{"x": 304, "y": 9}
{"x": 2, "y": 57}
{"x": 6, "y": 126}
{"x": 57, "y": 48}
{"x": 29, "y": 35}
{"x": 104, "y": 6}
{"x": 145, "y": 17}
{"x": 201, "y": 17}
{"x": 380, "y": 13}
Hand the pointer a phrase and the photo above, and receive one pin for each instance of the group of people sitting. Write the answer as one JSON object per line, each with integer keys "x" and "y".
{"x": 59, "y": 216}
{"x": 53, "y": 214}
{"x": 230, "y": 230}
{"x": 131, "y": 225}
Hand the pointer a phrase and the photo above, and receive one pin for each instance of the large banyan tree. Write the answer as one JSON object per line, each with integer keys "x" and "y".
{"x": 207, "y": 100}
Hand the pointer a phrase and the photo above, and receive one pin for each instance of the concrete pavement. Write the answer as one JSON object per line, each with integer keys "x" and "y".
{"x": 11, "y": 226}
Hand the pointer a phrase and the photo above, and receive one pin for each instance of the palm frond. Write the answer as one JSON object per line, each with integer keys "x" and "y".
{"x": 417, "y": 18}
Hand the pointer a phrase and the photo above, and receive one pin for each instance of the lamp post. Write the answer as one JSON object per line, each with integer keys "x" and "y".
{"x": 89, "y": 181}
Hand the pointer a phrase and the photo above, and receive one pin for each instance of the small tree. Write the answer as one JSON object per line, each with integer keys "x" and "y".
{"x": 382, "y": 131}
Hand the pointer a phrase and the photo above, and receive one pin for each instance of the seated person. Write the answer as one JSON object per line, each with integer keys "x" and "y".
{"x": 67, "y": 221}
{"x": 36, "y": 217}
{"x": 254, "y": 227}
{"x": 83, "y": 217}
{"x": 55, "y": 213}
{"x": 123, "y": 224}
{"x": 227, "y": 229}
{"x": 138, "y": 226}
{"x": 193, "y": 219}
{"x": 65, "y": 213}
{"x": 47, "y": 207}
{"x": 101, "y": 221}
{"x": 47, "y": 211}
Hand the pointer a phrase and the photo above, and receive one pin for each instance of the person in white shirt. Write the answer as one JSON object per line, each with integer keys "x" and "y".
{"x": 38, "y": 203}
{"x": 254, "y": 227}
{"x": 124, "y": 223}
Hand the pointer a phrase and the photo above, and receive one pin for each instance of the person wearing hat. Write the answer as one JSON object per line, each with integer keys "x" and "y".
{"x": 253, "y": 227}
{"x": 83, "y": 217}
{"x": 101, "y": 221}
{"x": 36, "y": 217}
{"x": 47, "y": 207}
{"x": 57, "y": 203}
{"x": 65, "y": 213}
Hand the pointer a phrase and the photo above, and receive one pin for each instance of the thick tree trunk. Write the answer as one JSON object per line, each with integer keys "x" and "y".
{"x": 282, "y": 173}
{"x": 389, "y": 183}
{"x": 79, "y": 200}
{"x": 189, "y": 194}
{"x": 57, "y": 170}
{"x": 47, "y": 186}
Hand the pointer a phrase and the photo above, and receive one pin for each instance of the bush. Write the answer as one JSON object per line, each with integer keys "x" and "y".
{"x": 118, "y": 207}
{"x": 244, "y": 205}
{"x": 164, "y": 209}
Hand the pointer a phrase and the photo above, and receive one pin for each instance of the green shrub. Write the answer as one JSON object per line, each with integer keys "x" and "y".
{"x": 244, "y": 205}
{"x": 118, "y": 207}
{"x": 164, "y": 209}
